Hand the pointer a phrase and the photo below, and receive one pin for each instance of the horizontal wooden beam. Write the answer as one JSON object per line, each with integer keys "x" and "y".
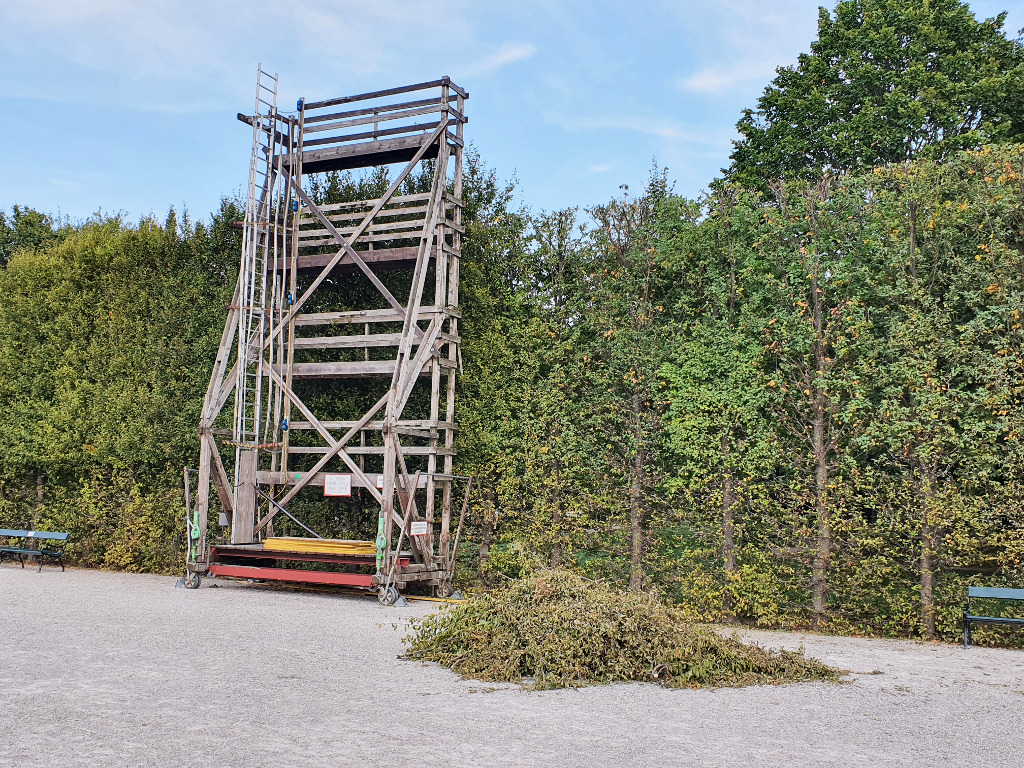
{"x": 410, "y": 229}
{"x": 354, "y": 341}
{"x": 377, "y": 450}
{"x": 380, "y": 109}
{"x": 353, "y": 316}
{"x": 356, "y": 216}
{"x": 396, "y": 200}
{"x": 291, "y": 478}
{"x": 355, "y": 369}
{"x": 396, "y": 131}
{"x": 293, "y": 575}
{"x": 357, "y": 341}
{"x": 365, "y": 154}
{"x": 378, "y": 425}
{"x": 389, "y": 257}
{"x": 388, "y": 92}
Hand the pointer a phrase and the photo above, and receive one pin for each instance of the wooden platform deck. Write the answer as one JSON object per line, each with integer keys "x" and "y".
{"x": 365, "y": 154}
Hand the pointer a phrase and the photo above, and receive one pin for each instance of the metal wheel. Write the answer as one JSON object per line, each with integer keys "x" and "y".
{"x": 387, "y": 596}
{"x": 193, "y": 580}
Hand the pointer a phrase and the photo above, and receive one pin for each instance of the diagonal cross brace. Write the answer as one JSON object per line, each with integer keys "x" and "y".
{"x": 347, "y": 244}
{"x": 336, "y": 447}
{"x": 340, "y": 445}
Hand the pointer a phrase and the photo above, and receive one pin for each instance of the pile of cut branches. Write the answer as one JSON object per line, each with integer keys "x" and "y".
{"x": 557, "y": 630}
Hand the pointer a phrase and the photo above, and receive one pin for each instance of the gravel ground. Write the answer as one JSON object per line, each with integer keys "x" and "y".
{"x": 107, "y": 669}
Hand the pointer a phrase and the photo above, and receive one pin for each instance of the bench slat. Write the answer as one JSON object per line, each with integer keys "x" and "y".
{"x": 48, "y": 535}
{"x": 993, "y": 620}
{"x": 996, "y": 593}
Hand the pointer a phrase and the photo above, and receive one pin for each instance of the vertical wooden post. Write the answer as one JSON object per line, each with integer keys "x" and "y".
{"x": 453, "y": 328}
{"x": 245, "y": 498}
{"x": 203, "y": 492}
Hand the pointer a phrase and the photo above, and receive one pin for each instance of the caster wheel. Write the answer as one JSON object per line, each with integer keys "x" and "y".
{"x": 444, "y": 590}
{"x": 192, "y": 580}
{"x": 388, "y": 596}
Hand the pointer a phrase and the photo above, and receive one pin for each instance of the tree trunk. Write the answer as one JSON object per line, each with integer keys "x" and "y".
{"x": 823, "y": 551}
{"x": 37, "y": 511}
{"x": 556, "y": 519}
{"x": 487, "y": 528}
{"x": 728, "y": 530}
{"x": 636, "y": 510}
{"x": 820, "y": 450}
{"x": 929, "y": 552}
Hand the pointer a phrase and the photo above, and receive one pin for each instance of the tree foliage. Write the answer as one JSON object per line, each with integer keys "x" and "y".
{"x": 886, "y": 81}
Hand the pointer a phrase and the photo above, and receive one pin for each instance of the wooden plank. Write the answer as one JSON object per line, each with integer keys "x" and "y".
{"x": 437, "y": 103}
{"x": 396, "y": 229}
{"x": 360, "y": 316}
{"x": 364, "y": 369}
{"x": 376, "y": 118}
{"x": 393, "y": 240}
{"x": 289, "y": 324}
{"x": 354, "y": 155}
{"x": 355, "y": 341}
{"x": 379, "y": 94}
{"x": 244, "y": 517}
{"x": 377, "y": 425}
{"x": 375, "y": 450}
{"x": 315, "y": 480}
{"x": 384, "y": 256}
{"x": 344, "y": 139}
{"x": 292, "y": 575}
{"x": 458, "y": 532}
{"x": 356, "y": 216}
{"x": 452, "y": 299}
{"x": 203, "y": 490}
{"x": 350, "y": 369}
{"x": 411, "y": 230}
{"x": 212, "y": 403}
{"x": 395, "y": 200}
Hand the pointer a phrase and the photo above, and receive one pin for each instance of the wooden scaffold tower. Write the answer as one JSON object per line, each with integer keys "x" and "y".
{"x": 292, "y": 329}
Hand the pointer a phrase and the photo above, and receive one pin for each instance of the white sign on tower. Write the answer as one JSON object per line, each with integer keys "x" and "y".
{"x": 337, "y": 484}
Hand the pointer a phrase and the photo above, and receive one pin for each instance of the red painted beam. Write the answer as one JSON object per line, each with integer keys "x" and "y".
{"x": 267, "y": 554}
{"x": 291, "y": 574}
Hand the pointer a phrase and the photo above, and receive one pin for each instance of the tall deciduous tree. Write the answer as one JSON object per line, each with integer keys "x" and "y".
{"x": 886, "y": 81}
{"x": 811, "y": 284}
{"x": 716, "y": 425}
{"x": 626, "y": 305}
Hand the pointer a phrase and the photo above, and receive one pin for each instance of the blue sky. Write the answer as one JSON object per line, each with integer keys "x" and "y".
{"x": 120, "y": 105}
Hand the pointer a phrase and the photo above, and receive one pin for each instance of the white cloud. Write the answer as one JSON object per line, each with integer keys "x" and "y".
{"x": 654, "y": 126}
{"x": 738, "y": 44}
{"x": 722, "y": 79}
{"x": 506, "y": 54}
{"x": 160, "y": 55}
{"x": 601, "y": 168}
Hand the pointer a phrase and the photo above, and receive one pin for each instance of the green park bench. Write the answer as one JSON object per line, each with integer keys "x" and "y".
{"x": 989, "y": 593}
{"x": 20, "y": 544}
